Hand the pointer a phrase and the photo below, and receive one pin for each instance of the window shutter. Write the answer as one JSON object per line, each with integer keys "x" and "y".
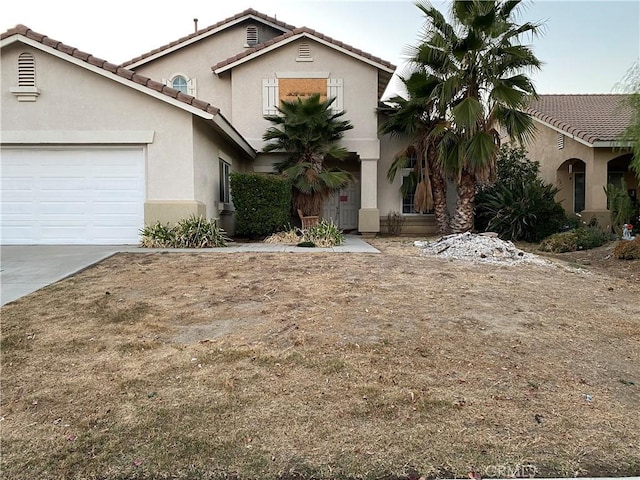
{"x": 26, "y": 70}
{"x": 335, "y": 89}
{"x": 269, "y": 96}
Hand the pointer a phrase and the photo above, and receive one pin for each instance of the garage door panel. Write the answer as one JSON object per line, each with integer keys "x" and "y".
{"x": 75, "y": 196}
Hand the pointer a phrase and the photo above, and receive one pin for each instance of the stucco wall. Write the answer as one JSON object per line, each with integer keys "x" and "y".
{"x": 360, "y": 82}
{"x": 180, "y": 167}
{"x": 196, "y": 60}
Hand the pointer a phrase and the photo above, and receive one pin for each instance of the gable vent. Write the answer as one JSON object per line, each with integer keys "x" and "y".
{"x": 304, "y": 51}
{"x": 252, "y": 35}
{"x": 560, "y": 141}
{"x": 26, "y": 70}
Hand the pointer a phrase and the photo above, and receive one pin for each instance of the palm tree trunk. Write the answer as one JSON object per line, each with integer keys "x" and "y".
{"x": 439, "y": 188}
{"x": 464, "y": 214}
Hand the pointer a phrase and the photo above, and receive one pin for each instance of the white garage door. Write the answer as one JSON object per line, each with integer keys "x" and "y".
{"x": 72, "y": 195}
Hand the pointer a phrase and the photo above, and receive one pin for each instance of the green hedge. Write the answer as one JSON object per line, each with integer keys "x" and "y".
{"x": 262, "y": 203}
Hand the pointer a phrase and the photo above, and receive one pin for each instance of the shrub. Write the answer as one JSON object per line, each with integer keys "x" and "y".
{"x": 519, "y": 205}
{"x": 192, "y": 232}
{"x": 627, "y": 249}
{"x": 262, "y": 203}
{"x": 323, "y": 234}
{"x": 582, "y": 238}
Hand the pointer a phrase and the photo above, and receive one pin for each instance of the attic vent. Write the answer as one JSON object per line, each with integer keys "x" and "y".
{"x": 26, "y": 90}
{"x": 26, "y": 70}
{"x": 560, "y": 141}
{"x": 252, "y": 35}
{"x": 304, "y": 51}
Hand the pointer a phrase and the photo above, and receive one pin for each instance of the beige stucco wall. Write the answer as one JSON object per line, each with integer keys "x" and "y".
{"x": 196, "y": 60}
{"x": 360, "y": 82}
{"x": 74, "y": 100}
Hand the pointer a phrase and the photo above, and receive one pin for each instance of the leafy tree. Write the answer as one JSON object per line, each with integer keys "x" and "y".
{"x": 631, "y": 86}
{"x": 414, "y": 118}
{"x": 308, "y": 130}
{"x": 480, "y": 67}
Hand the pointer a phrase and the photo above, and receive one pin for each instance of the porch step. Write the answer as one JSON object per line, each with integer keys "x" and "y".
{"x": 410, "y": 225}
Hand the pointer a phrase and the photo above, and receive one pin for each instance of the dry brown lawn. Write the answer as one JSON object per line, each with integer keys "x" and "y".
{"x": 323, "y": 366}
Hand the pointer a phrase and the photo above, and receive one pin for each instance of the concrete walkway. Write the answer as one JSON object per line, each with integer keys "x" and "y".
{"x": 27, "y": 268}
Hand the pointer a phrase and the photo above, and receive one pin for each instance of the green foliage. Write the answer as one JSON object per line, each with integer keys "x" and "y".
{"x": 627, "y": 249}
{"x": 519, "y": 205}
{"x": 192, "y": 232}
{"x": 582, "y": 238}
{"x": 309, "y": 130}
{"x": 620, "y": 206}
{"x": 631, "y": 86}
{"x": 324, "y": 234}
{"x": 262, "y": 203}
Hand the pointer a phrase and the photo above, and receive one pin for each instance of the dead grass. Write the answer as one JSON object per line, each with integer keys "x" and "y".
{"x": 321, "y": 366}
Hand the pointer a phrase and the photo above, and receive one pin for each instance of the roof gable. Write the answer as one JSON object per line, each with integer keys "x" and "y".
{"x": 197, "y": 107}
{"x": 590, "y": 118}
{"x": 249, "y": 14}
{"x": 386, "y": 68}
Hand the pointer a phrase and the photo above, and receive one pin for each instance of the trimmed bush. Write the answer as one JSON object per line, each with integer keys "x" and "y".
{"x": 627, "y": 249}
{"x": 192, "y": 232}
{"x": 583, "y": 238}
{"x": 262, "y": 203}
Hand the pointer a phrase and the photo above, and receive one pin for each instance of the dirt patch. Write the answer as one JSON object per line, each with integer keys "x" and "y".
{"x": 324, "y": 365}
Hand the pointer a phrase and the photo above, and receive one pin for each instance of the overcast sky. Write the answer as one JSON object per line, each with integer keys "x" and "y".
{"x": 587, "y": 46}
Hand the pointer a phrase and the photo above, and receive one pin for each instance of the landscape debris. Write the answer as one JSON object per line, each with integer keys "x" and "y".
{"x": 483, "y": 247}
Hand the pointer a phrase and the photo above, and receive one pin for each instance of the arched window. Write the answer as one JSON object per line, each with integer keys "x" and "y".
{"x": 180, "y": 83}
{"x": 252, "y": 35}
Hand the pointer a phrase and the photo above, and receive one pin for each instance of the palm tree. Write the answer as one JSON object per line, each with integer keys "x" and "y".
{"x": 415, "y": 118}
{"x": 482, "y": 86}
{"x": 309, "y": 130}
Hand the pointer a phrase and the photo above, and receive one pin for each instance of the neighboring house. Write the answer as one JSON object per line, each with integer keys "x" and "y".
{"x": 92, "y": 151}
{"x": 579, "y": 147}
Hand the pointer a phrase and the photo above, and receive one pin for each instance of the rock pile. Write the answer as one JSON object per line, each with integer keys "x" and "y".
{"x": 484, "y": 247}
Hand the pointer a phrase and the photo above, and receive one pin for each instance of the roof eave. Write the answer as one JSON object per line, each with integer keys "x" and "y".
{"x": 265, "y": 50}
{"x": 196, "y": 38}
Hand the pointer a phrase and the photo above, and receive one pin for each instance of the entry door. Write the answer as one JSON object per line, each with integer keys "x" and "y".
{"x": 578, "y": 192}
{"x": 342, "y": 208}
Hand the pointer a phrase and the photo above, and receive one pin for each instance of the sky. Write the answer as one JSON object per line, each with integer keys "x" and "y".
{"x": 586, "y": 46}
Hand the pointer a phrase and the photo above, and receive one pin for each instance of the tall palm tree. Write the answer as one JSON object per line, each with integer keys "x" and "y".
{"x": 481, "y": 69}
{"x": 309, "y": 130}
{"x": 414, "y": 118}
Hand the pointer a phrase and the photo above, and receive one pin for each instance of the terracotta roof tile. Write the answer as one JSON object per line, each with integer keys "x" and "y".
{"x": 591, "y": 117}
{"x": 245, "y": 13}
{"x": 300, "y": 31}
{"x": 110, "y": 67}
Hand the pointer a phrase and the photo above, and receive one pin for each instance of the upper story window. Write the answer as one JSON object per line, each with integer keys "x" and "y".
{"x": 26, "y": 90}
{"x": 252, "y": 36}
{"x": 182, "y": 82}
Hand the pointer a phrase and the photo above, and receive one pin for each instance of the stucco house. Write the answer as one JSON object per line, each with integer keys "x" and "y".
{"x": 579, "y": 147}
{"x": 92, "y": 151}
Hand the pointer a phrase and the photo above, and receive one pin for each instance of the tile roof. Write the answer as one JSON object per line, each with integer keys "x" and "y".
{"x": 590, "y": 117}
{"x": 299, "y": 31}
{"x": 203, "y": 31}
{"x": 112, "y": 68}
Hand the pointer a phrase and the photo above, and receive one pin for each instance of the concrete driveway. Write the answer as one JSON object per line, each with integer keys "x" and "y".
{"x": 27, "y": 268}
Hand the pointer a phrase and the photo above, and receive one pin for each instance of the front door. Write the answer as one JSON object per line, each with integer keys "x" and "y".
{"x": 342, "y": 207}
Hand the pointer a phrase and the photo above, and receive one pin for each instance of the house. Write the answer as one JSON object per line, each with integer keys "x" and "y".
{"x": 579, "y": 147}
{"x": 92, "y": 151}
